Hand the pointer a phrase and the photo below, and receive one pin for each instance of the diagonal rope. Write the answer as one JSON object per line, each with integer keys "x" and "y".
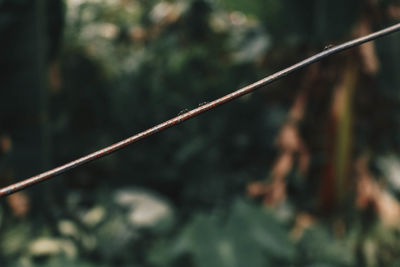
{"x": 194, "y": 112}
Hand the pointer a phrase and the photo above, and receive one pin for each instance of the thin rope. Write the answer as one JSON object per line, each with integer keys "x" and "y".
{"x": 194, "y": 112}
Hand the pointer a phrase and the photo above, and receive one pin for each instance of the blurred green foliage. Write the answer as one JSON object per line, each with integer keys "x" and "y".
{"x": 118, "y": 67}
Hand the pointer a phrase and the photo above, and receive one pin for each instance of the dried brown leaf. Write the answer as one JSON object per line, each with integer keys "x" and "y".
{"x": 19, "y": 204}
{"x": 5, "y": 144}
{"x": 302, "y": 223}
{"x": 367, "y": 51}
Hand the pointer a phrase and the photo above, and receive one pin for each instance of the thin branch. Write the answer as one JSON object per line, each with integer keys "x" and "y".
{"x": 194, "y": 112}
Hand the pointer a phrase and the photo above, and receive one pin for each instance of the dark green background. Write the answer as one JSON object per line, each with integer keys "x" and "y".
{"x": 113, "y": 85}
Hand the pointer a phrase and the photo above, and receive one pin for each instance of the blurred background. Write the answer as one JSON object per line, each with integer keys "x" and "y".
{"x": 305, "y": 172}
